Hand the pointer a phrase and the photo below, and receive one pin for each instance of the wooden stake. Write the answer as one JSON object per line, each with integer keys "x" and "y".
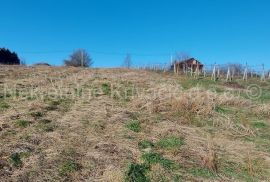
{"x": 214, "y": 73}
{"x": 218, "y": 72}
{"x": 245, "y": 77}
{"x": 263, "y": 74}
{"x": 229, "y": 76}
{"x": 197, "y": 71}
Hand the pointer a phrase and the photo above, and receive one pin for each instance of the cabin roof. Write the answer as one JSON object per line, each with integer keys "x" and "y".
{"x": 190, "y": 61}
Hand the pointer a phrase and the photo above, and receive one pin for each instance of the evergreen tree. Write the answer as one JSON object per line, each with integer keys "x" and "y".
{"x": 8, "y": 57}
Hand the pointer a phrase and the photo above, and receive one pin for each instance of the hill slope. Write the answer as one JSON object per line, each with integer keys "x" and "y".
{"x": 77, "y": 124}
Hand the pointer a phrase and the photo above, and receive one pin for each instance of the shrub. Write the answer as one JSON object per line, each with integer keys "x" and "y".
{"x": 137, "y": 173}
{"x": 15, "y": 159}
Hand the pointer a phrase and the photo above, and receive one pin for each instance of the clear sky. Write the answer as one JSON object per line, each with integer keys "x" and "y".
{"x": 150, "y": 30}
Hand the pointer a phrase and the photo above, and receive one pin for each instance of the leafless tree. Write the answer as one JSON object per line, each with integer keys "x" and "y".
{"x": 127, "y": 61}
{"x": 237, "y": 69}
{"x": 23, "y": 62}
{"x": 79, "y": 58}
{"x": 181, "y": 56}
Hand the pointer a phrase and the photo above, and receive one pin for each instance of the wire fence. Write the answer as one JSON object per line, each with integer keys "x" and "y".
{"x": 215, "y": 71}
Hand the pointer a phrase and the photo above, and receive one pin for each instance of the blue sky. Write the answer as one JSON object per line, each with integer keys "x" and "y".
{"x": 150, "y": 30}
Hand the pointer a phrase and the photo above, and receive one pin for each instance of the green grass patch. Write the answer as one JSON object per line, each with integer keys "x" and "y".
{"x": 202, "y": 172}
{"x": 106, "y": 89}
{"x": 134, "y": 125}
{"x": 204, "y": 83}
{"x": 145, "y": 144}
{"x": 3, "y": 105}
{"x": 259, "y": 125}
{"x": 239, "y": 172}
{"x": 225, "y": 110}
{"x": 15, "y": 160}
{"x": 170, "y": 142}
{"x": 78, "y": 92}
{"x": 265, "y": 97}
{"x": 30, "y": 98}
{"x": 155, "y": 158}
{"x": 68, "y": 167}
{"x": 262, "y": 141}
{"x": 23, "y": 123}
{"x": 137, "y": 173}
{"x": 220, "y": 109}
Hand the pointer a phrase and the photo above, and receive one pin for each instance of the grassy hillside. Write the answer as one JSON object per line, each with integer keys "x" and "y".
{"x": 72, "y": 124}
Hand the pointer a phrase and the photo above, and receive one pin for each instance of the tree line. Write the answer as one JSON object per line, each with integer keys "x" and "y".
{"x": 78, "y": 58}
{"x": 8, "y": 57}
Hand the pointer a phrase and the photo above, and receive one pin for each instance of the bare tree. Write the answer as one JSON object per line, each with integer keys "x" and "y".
{"x": 181, "y": 56}
{"x": 237, "y": 69}
{"x": 79, "y": 58}
{"x": 23, "y": 62}
{"x": 127, "y": 61}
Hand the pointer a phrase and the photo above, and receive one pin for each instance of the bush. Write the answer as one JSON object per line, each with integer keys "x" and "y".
{"x": 15, "y": 160}
{"x": 137, "y": 173}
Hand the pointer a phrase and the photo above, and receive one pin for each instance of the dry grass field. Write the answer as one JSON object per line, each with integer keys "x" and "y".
{"x": 73, "y": 124}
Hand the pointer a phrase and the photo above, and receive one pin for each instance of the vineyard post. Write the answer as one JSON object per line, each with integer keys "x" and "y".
{"x": 263, "y": 73}
{"x": 245, "y": 77}
{"x": 214, "y": 73}
{"x": 229, "y": 76}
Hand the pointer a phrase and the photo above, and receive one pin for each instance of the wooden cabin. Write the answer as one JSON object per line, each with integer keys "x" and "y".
{"x": 187, "y": 65}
